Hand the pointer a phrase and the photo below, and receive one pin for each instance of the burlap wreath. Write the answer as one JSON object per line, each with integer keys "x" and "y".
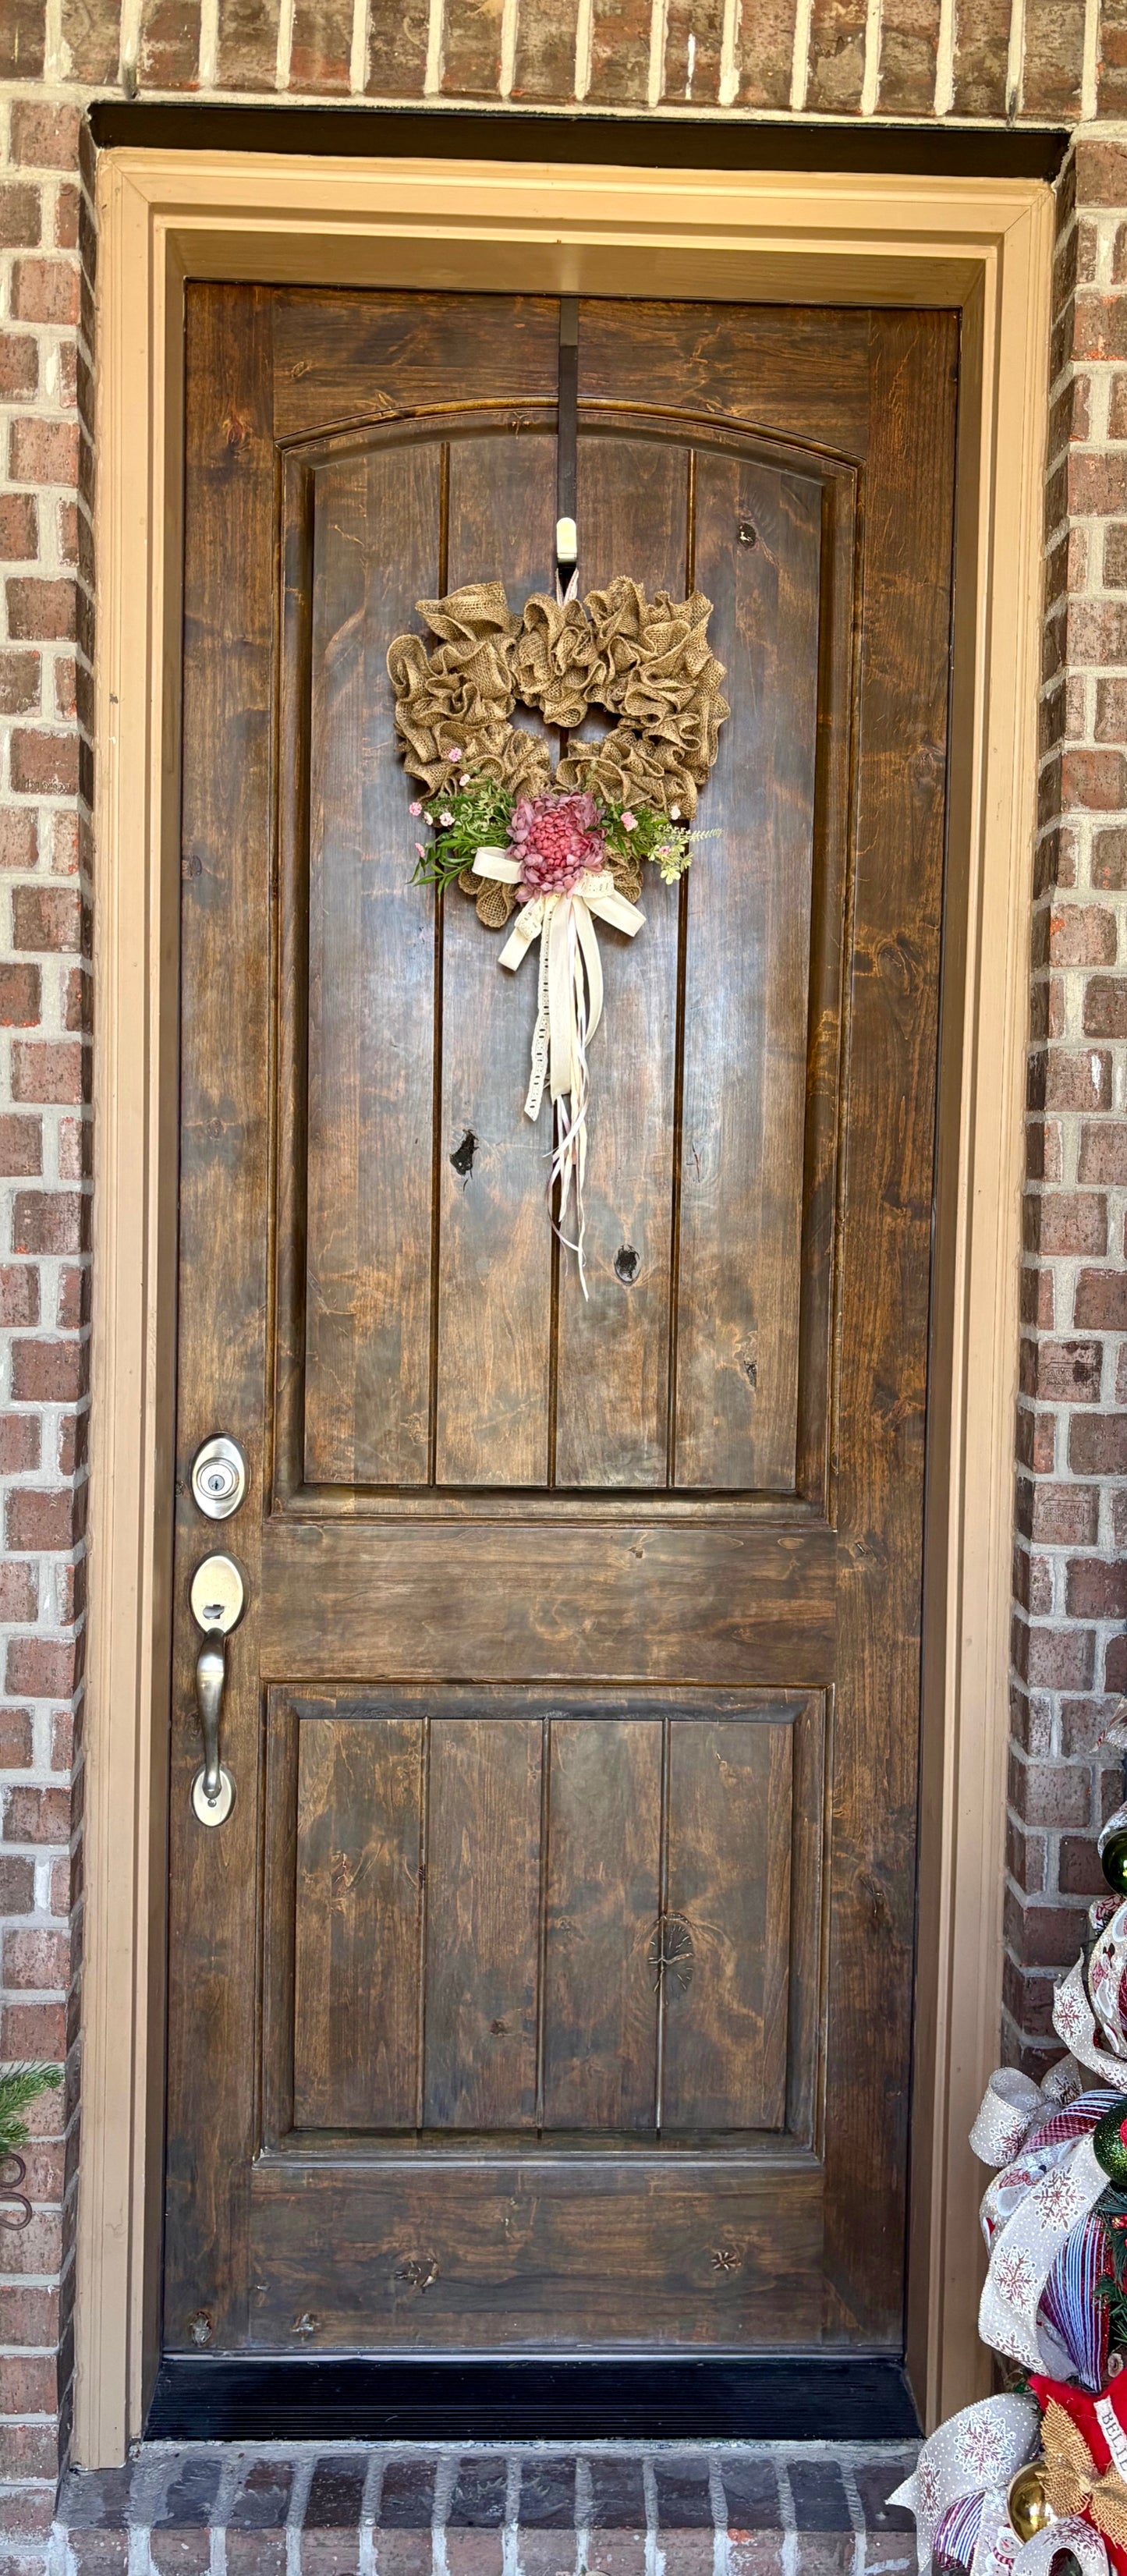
{"x": 645, "y": 661}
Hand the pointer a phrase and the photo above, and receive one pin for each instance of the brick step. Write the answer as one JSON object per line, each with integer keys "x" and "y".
{"x": 756, "y": 2509}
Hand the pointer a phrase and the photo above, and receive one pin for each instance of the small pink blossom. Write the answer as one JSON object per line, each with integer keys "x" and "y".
{"x": 415, "y": 809}
{"x": 455, "y": 755}
{"x": 674, "y": 813}
{"x": 445, "y": 820}
{"x": 464, "y": 779}
{"x": 629, "y": 822}
{"x": 420, "y": 849}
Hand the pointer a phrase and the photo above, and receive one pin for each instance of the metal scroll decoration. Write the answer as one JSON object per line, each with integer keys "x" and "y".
{"x": 20, "y": 2086}
{"x": 568, "y": 845}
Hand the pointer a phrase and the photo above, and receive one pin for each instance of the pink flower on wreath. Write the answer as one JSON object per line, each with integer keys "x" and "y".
{"x": 415, "y": 809}
{"x": 455, "y": 755}
{"x": 555, "y": 840}
{"x": 445, "y": 820}
{"x": 420, "y": 849}
{"x": 629, "y": 822}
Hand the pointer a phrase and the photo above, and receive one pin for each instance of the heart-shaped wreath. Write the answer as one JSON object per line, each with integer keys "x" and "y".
{"x": 569, "y": 843}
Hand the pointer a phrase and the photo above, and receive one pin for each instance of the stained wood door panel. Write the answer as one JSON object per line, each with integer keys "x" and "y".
{"x": 712, "y": 1602}
{"x": 603, "y": 1898}
{"x": 444, "y": 1342}
{"x": 549, "y": 1985}
{"x": 368, "y": 1261}
{"x": 747, "y": 992}
{"x": 494, "y": 1249}
{"x": 510, "y": 1917}
{"x": 356, "y": 1843}
{"x": 639, "y": 2257}
{"x": 348, "y": 359}
{"x": 614, "y": 1347}
{"x": 797, "y": 372}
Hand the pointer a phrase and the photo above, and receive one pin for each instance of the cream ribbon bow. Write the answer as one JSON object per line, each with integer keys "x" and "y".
{"x": 569, "y": 1009}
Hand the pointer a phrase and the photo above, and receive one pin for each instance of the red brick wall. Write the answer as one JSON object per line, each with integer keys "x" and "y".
{"x": 1070, "y": 1554}
{"x": 1058, "y": 60}
{"x": 45, "y": 1161}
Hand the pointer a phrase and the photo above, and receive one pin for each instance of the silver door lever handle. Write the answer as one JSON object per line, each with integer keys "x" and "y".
{"x": 211, "y": 1673}
{"x": 217, "y": 1597}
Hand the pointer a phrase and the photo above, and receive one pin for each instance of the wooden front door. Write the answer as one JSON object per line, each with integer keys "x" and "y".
{"x": 548, "y": 1987}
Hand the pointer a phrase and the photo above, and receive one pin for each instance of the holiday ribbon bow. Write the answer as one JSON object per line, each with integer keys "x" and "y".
{"x": 970, "y": 2460}
{"x": 1073, "y": 2483}
{"x": 570, "y": 1006}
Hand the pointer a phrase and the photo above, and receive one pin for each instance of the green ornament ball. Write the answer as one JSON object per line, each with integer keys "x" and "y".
{"x": 1113, "y": 1860}
{"x": 1109, "y": 2141}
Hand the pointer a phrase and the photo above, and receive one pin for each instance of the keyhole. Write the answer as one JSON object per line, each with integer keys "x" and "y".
{"x": 746, "y": 533}
{"x": 626, "y": 1265}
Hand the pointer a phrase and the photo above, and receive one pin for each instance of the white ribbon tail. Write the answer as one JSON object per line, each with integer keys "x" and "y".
{"x": 569, "y": 1009}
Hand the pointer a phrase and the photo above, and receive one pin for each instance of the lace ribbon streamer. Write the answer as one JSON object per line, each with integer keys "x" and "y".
{"x": 570, "y": 1006}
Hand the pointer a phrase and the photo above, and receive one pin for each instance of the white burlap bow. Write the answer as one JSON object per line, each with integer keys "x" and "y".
{"x": 570, "y": 1007}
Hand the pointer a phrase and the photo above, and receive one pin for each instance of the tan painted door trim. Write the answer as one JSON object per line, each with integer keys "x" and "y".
{"x": 978, "y": 245}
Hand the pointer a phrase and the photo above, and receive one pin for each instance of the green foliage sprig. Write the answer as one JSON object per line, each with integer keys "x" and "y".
{"x": 479, "y": 816}
{"x": 472, "y": 814}
{"x": 20, "y": 2086}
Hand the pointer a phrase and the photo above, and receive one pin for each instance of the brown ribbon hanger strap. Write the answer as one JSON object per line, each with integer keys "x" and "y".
{"x": 567, "y": 419}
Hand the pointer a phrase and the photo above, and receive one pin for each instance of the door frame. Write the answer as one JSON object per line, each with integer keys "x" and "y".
{"x": 982, "y": 246}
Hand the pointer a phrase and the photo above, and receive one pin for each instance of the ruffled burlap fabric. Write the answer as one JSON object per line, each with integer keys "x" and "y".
{"x": 644, "y": 661}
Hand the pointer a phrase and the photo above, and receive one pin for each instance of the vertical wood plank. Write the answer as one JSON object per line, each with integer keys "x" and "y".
{"x": 224, "y": 1107}
{"x": 599, "y": 2022}
{"x": 371, "y": 936}
{"x": 495, "y": 1255}
{"x": 746, "y": 984}
{"x": 356, "y": 1903}
{"x": 278, "y": 1928}
{"x": 884, "y": 1295}
{"x": 614, "y": 1345}
{"x": 483, "y": 1919}
{"x": 729, "y": 1883}
{"x": 808, "y": 1851}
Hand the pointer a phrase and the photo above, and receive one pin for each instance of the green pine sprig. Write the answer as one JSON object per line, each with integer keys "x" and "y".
{"x": 20, "y": 2086}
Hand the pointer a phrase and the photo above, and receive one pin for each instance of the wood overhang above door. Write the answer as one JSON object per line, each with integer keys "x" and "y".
{"x": 549, "y": 1984}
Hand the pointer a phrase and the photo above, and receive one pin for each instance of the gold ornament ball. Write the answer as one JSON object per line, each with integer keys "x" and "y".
{"x": 1028, "y": 2504}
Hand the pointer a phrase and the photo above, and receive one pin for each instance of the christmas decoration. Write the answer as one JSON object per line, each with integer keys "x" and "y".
{"x": 1027, "y": 2502}
{"x": 20, "y": 2086}
{"x": 1034, "y": 2483}
{"x": 569, "y": 845}
{"x": 1112, "y": 1848}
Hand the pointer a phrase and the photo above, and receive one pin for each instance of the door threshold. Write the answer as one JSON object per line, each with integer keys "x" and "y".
{"x": 861, "y": 2398}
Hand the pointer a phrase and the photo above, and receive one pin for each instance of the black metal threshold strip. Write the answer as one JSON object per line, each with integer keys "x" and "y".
{"x": 674, "y": 2398}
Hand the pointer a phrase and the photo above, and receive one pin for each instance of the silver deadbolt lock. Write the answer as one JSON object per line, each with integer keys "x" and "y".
{"x": 217, "y": 1597}
{"x": 219, "y": 1478}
